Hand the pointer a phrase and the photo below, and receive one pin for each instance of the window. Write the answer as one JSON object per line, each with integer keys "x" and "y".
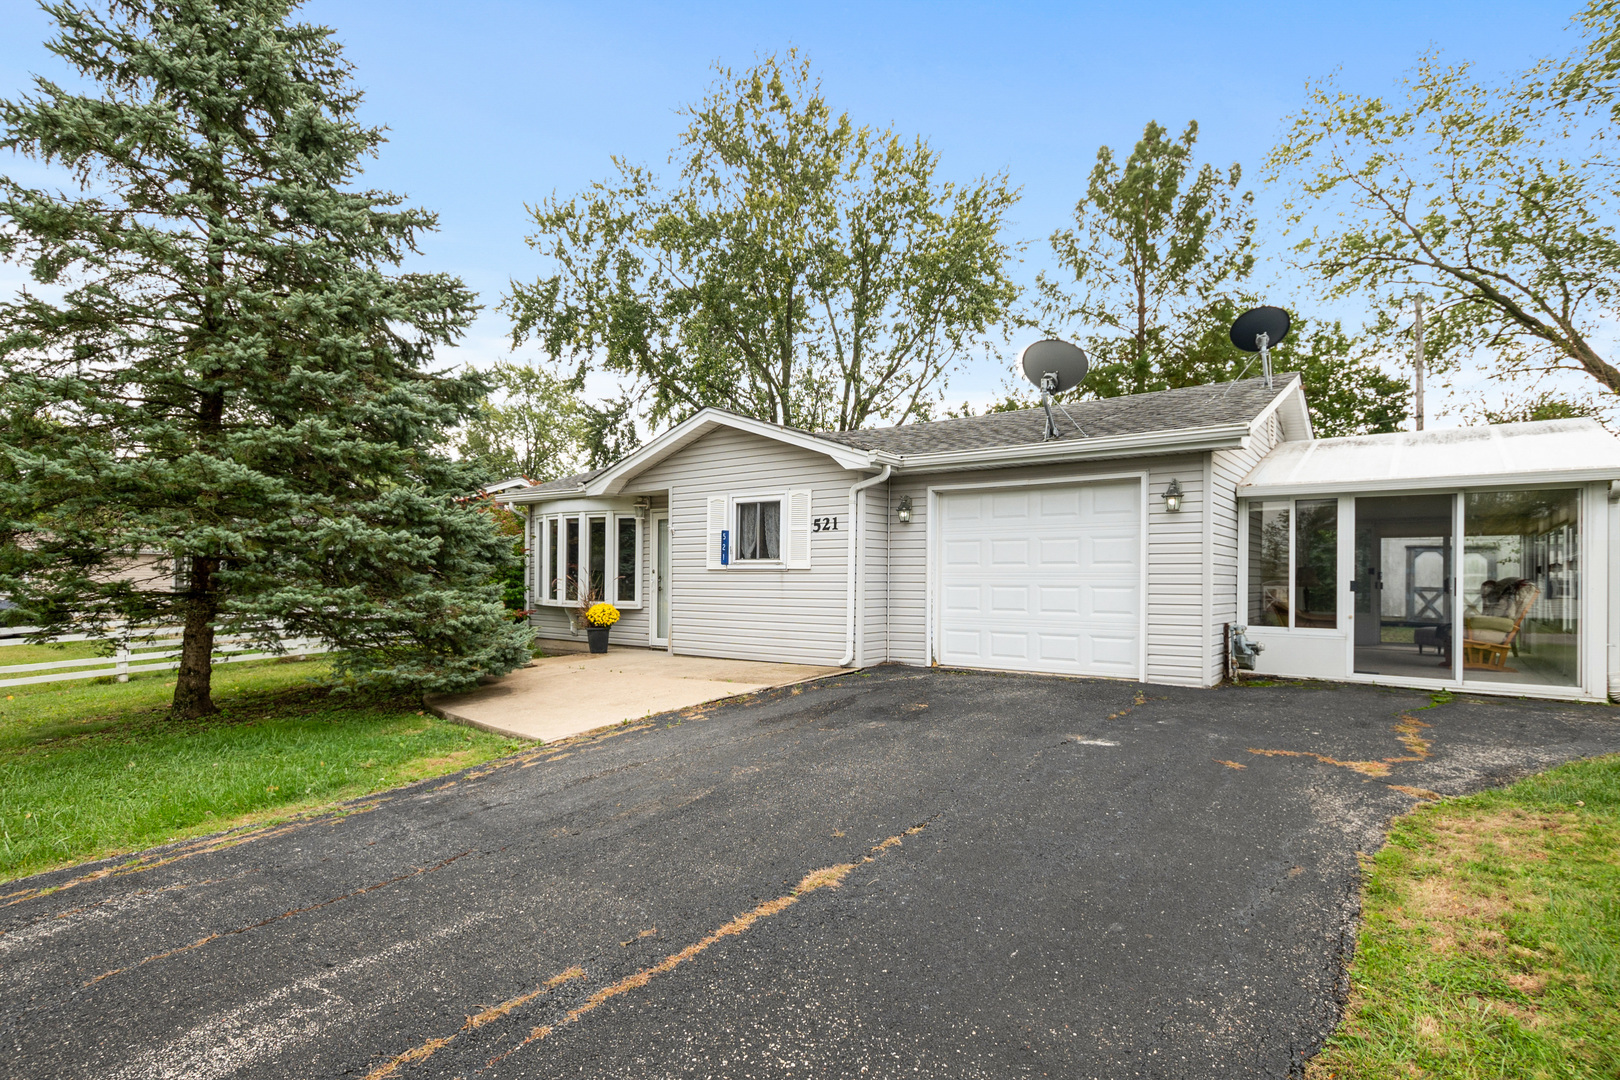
{"x": 759, "y": 530}
{"x": 548, "y": 552}
{"x": 1268, "y": 564}
{"x": 595, "y": 556}
{"x": 596, "y": 576}
{"x": 1521, "y": 587}
{"x": 1316, "y": 562}
{"x": 626, "y": 580}
{"x": 570, "y": 565}
{"x": 1292, "y": 562}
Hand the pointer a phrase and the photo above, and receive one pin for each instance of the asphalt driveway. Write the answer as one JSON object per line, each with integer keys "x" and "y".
{"x": 901, "y": 873}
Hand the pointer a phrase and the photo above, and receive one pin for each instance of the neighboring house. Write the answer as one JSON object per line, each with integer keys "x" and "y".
{"x": 516, "y": 483}
{"x": 976, "y": 543}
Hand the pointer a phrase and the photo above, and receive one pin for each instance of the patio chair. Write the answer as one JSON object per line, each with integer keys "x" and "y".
{"x": 1489, "y": 637}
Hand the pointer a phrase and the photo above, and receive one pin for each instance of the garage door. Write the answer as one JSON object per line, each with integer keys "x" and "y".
{"x": 1042, "y": 579}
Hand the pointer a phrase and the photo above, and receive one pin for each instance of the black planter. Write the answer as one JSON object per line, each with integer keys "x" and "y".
{"x": 598, "y": 636}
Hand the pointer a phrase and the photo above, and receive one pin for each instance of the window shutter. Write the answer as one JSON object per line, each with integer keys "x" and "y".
{"x": 717, "y": 522}
{"x": 798, "y": 530}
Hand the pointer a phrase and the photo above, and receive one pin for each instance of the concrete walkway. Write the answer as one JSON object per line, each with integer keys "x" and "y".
{"x": 559, "y": 696}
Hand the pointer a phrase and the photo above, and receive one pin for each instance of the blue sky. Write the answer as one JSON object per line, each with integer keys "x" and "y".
{"x": 494, "y": 104}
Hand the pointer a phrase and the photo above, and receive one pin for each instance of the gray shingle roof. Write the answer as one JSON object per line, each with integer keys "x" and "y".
{"x": 565, "y": 483}
{"x": 1137, "y": 414}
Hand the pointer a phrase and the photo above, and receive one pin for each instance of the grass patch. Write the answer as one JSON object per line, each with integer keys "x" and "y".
{"x": 40, "y": 654}
{"x": 1490, "y": 941}
{"x": 95, "y": 768}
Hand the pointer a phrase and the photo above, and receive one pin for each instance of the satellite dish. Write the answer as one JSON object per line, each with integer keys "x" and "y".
{"x": 1257, "y": 330}
{"x": 1053, "y": 365}
{"x": 1270, "y": 321}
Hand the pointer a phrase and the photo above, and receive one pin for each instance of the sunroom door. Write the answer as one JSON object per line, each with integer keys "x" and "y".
{"x": 1403, "y": 586}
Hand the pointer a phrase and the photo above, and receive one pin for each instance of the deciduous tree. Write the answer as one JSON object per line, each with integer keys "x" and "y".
{"x": 1154, "y": 241}
{"x": 799, "y": 268}
{"x": 534, "y": 426}
{"x": 1494, "y": 198}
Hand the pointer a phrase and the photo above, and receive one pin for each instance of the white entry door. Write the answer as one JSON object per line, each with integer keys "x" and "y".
{"x": 1042, "y": 579}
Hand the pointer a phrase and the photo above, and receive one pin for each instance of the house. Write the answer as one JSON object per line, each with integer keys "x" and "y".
{"x": 1125, "y": 547}
{"x": 513, "y": 483}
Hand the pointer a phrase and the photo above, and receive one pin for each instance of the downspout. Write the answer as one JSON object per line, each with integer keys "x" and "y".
{"x": 855, "y": 490}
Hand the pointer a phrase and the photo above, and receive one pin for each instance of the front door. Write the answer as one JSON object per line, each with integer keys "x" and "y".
{"x": 660, "y": 620}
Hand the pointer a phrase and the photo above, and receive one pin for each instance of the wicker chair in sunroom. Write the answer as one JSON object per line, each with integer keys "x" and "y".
{"x": 1488, "y": 637}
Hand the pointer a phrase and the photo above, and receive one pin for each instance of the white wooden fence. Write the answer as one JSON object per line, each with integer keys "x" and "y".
{"x": 155, "y": 652}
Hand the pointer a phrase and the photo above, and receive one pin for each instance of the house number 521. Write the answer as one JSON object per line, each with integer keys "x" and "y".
{"x": 824, "y": 524}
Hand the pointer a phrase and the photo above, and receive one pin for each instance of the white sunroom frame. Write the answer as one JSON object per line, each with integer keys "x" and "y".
{"x": 1592, "y": 529}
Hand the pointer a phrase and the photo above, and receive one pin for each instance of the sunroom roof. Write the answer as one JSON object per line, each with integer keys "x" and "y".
{"x": 1546, "y": 451}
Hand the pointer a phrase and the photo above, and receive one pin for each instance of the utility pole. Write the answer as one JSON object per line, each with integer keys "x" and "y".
{"x": 1417, "y": 359}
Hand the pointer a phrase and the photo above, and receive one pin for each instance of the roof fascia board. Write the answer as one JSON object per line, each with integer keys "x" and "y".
{"x": 515, "y": 497}
{"x": 1209, "y": 438}
{"x": 1292, "y": 394}
{"x": 1428, "y": 483}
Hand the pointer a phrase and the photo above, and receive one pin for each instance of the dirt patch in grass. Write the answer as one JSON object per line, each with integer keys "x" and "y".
{"x": 1490, "y": 944}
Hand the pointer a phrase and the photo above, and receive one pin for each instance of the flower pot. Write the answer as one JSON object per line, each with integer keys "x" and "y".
{"x": 598, "y": 636}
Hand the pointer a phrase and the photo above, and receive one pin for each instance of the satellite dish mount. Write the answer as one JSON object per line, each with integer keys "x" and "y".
{"x": 1054, "y": 366}
{"x": 1257, "y": 330}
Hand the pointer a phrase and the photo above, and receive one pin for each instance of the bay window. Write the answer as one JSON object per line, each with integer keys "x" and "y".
{"x": 594, "y": 556}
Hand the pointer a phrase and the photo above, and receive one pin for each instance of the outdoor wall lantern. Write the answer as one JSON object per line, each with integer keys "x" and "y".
{"x": 904, "y": 512}
{"x": 643, "y": 504}
{"x": 1172, "y": 496}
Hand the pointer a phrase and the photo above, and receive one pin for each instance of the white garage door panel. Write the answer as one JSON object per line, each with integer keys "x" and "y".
{"x": 1043, "y": 579}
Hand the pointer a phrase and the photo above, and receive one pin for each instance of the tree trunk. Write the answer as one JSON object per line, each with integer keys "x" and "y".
{"x": 193, "y": 696}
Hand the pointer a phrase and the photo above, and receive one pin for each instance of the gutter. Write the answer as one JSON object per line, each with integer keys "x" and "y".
{"x": 855, "y": 529}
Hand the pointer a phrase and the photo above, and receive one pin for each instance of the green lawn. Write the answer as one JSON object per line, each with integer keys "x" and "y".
{"x": 1490, "y": 943}
{"x": 40, "y": 654}
{"x": 95, "y": 767}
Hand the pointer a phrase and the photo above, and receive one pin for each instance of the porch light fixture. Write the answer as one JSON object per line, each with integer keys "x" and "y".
{"x": 643, "y": 504}
{"x": 904, "y": 511}
{"x": 1172, "y": 497}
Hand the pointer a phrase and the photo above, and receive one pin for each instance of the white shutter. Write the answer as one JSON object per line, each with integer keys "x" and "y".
{"x": 717, "y": 522}
{"x": 798, "y": 529}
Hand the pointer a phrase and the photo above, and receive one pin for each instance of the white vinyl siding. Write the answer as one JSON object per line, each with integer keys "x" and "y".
{"x": 1176, "y": 650}
{"x": 878, "y": 516}
{"x": 1227, "y": 469}
{"x": 759, "y": 612}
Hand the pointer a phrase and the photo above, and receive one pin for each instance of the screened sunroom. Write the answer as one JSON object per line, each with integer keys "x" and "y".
{"x": 1471, "y": 558}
